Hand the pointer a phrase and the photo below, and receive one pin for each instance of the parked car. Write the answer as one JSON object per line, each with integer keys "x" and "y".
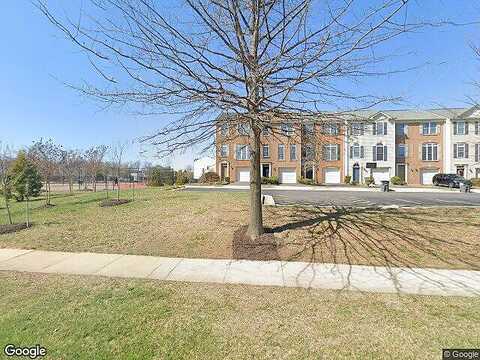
{"x": 450, "y": 180}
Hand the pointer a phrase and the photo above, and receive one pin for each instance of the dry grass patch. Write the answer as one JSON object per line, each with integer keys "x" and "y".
{"x": 202, "y": 225}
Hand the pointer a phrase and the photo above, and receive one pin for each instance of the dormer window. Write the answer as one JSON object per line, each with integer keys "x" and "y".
{"x": 380, "y": 128}
{"x": 429, "y": 128}
{"x": 287, "y": 129}
{"x": 243, "y": 129}
{"x": 460, "y": 128}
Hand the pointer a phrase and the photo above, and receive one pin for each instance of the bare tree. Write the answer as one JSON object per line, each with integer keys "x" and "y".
{"x": 70, "y": 163}
{"x": 5, "y": 179}
{"x": 94, "y": 162}
{"x": 256, "y": 60}
{"x": 47, "y": 156}
{"x": 117, "y": 153}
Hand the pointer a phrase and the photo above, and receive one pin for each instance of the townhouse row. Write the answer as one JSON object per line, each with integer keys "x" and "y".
{"x": 413, "y": 145}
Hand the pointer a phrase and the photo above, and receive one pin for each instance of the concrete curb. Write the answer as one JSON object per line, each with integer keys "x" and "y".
{"x": 326, "y": 188}
{"x": 260, "y": 273}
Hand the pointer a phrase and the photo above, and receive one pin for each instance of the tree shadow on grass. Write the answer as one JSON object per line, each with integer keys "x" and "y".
{"x": 394, "y": 239}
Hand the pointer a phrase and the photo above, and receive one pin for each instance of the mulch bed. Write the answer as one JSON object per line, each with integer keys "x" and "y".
{"x": 262, "y": 248}
{"x": 6, "y": 229}
{"x": 114, "y": 202}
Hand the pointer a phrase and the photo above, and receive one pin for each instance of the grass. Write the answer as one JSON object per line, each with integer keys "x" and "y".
{"x": 99, "y": 318}
{"x": 201, "y": 224}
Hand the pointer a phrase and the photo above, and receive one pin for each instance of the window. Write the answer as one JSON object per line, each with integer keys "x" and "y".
{"x": 356, "y": 151}
{"x": 380, "y": 152}
{"x": 430, "y": 152}
{"x": 460, "y": 128}
{"x": 293, "y": 152}
{"x": 287, "y": 129}
{"x": 331, "y": 152}
{"x": 307, "y": 152}
{"x": 477, "y": 128}
{"x": 380, "y": 128}
{"x": 281, "y": 152}
{"x": 267, "y": 130}
{"x": 477, "y": 153}
{"x": 224, "y": 151}
{"x": 401, "y": 129}
{"x": 358, "y": 129}
{"x": 242, "y": 152}
{"x": 429, "y": 128}
{"x": 331, "y": 129}
{"x": 308, "y": 129}
{"x": 460, "y": 151}
{"x": 243, "y": 128}
{"x": 224, "y": 129}
{"x": 402, "y": 151}
{"x": 265, "y": 151}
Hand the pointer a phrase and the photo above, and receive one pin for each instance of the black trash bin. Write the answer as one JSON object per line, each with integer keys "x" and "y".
{"x": 465, "y": 188}
{"x": 385, "y": 186}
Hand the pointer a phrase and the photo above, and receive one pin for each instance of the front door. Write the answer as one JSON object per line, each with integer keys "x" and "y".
{"x": 461, "y": 170}
{"x": 265, "y": 170}
{"x": 356, "y": 173}
{"x": 401, "y": 171}
{"x": 223, "y": 171}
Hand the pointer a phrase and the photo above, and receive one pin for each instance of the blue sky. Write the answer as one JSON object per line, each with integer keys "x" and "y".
{"x": 35, "y": 60}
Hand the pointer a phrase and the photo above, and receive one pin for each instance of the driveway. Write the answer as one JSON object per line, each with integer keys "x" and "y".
{"x": 364, "y": 199}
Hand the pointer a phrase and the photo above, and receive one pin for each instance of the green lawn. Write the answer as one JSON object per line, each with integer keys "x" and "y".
{"x": 179, "y": 223}
{"x": 98, "y": 318}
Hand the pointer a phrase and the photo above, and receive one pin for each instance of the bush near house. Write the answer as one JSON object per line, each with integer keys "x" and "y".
{"x": 347, "y": 179}
{"x": 369, "y": 180}
{"x": 395, "y": 180}
{"x": 475, "y": 182}
{"x": 209, "y": 178}
{"x": 183, "y": 177}
{"x": 226, "y": 180}
{"x": 272, "y": 180}
{"x": 306, "y": 181}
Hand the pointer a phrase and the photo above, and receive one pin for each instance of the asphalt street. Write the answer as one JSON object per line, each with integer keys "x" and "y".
{"x": 366, "y": 199}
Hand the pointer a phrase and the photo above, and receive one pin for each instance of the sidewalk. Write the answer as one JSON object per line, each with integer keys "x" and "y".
{"x": 399, "y": 189}
{"x": 266, "y": 273}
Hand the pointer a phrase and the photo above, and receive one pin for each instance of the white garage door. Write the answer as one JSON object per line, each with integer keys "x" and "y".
{"x": 288, "y": 176}
{"x": 427, "y": 176}
{"x": 381, "y": 174}
{"x": 332, "y": 176}
{"x": 243, "y": 174}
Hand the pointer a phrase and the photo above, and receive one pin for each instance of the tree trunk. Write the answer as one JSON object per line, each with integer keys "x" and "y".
{"x": 255, "y": 227}
{"x": 8, "y": 208}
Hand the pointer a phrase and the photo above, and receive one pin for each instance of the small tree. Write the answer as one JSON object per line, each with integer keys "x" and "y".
{"x": 118, "y": 150}
{"x": 5, "y": 178}
{"x": 27, "y": 180}
{"x": 46, "y": 156}
{"x": 94, "y": 162}
{"x": 70, "y": 162}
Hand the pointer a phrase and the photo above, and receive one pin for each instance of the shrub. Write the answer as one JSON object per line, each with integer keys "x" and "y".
{"x": 272, "y": 180}
{"x": 347, "y": 179}
{"x": 209, "y": 178}
{"x": 226, "y": 180}
{"x": 475, "y": 182}
{"x": 182, "y": 177}
{"x": 306, "y": 181}
{"x": 369, "y": 180}
{"x": 160, "y": 176}
{"x": 395, "y": 180}
{"x": 25, "y": 178}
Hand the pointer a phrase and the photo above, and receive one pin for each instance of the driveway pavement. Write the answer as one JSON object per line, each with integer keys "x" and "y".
{"x": 364, "y": 198}
{"x": 264, "y": 273}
